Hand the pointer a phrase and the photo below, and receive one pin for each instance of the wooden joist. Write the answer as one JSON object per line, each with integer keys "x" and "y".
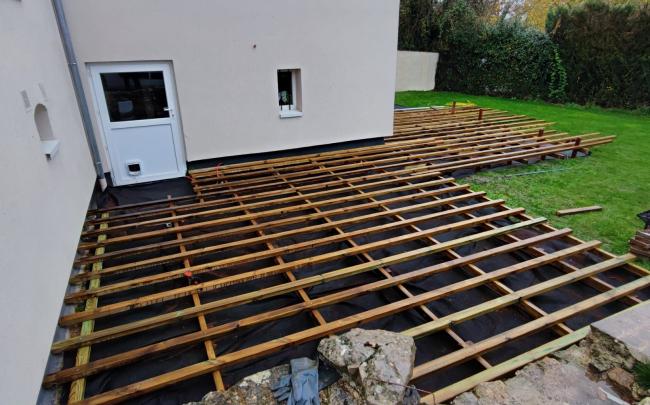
{"x": 573, "y": 211}
{"x": 280, "y": 221}
{"x": 78, "y": 387}
{"x": 300, "y": 337}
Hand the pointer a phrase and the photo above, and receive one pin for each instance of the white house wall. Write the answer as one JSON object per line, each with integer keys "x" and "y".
{"x": 225, "y": 56}
{"x": 42, "y": 203}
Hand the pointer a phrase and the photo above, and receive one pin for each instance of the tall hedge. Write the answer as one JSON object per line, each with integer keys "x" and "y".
{"x": 605, "y": 49}
{"x": 505, "y": 58}
{"x": 418, "y": 28}
{"x": 594, "y": 52}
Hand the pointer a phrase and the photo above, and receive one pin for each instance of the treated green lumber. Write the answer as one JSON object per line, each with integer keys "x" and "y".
{"x": 486, "y": 134}
{"x": 158, "y": 221}
{"x": 249, "y": 275}
{"x": 130, "y": 356}
{"x": 266, "y": 225}
{"x": 463, "y": 144}
{"x": 272, "y": 346}
{"x": 287, "y": 161}
{"x": 246, "y": 276}
{"x": 451, "y": 133}
{"x": 432, "y": 157}
{"x": 309, "y": 244}
{"x": 573, "y": 211}
{"x": 506, "y": 157}
{"x": 257, "y": 195}
{"x": 506, "y": 300}
{"x": 483, "y": 346}
{"x": 123, "y": 330}
{"x": 453, "y": 390}
{"x": 497, "y": 156}
{"x": 269, "y": 203}
{"x": 78, "y": 387}
{"x": 455, "y": 137}
{"x": 272, "y": 212}
{"x": 141, "y": 264}
{"x": 466, "y": 163}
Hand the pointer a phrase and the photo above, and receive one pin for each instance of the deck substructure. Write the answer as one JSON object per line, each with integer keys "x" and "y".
{"x": 269, "y": 256}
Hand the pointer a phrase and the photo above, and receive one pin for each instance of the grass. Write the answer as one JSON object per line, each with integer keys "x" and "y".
{"x": 615, "y": 176}
{"x": 642, "y": 375}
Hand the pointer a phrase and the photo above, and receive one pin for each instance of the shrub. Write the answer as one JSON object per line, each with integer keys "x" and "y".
{"x": 605, "y": 49}
{"x": 505, "y": 58}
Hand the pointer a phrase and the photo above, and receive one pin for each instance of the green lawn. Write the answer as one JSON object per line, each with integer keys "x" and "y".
{"x": 616, "y": 176}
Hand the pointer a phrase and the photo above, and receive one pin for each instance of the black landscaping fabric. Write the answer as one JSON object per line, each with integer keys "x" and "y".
{"x": 429, "y": 347}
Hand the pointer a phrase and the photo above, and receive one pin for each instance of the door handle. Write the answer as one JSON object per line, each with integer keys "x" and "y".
{"x": 166, "y": 109}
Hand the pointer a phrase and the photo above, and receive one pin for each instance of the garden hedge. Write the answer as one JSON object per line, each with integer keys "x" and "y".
{"x": 605, "y": 49}
{"x": 591, "y": 53}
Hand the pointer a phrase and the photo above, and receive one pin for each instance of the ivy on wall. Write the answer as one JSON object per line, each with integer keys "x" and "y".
{"x": 605, "y": 49}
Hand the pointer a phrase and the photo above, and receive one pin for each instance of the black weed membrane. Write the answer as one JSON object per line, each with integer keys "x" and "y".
{"x": 302, "y": 240}
{"x": 263, "y": 259}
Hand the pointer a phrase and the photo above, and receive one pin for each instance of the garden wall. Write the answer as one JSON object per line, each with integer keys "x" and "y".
{"x": 416, "y": 70}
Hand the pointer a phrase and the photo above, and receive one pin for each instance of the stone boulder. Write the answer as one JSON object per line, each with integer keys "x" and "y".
{"x": 545, "y": 382}
{"x": 253, "y": 390}
{"x": 376, "y": 366}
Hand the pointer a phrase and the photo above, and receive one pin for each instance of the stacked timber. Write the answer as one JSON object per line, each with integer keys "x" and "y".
{"x": 640, "y": 243}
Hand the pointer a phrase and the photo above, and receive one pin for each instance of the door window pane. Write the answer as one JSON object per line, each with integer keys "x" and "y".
{"x": 135, "y": 95}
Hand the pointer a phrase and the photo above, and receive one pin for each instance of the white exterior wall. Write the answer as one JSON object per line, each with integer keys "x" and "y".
{"x": 416, "y": 70}
{"x": 225, "y": 57}
{"x": 42, "y": 203}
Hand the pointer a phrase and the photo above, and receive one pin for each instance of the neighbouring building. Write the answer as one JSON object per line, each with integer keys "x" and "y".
{"x": 166, "y": 82}
{"x": 416, "y": 70}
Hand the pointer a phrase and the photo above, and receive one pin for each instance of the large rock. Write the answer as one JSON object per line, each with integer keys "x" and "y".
{"x": 375, "y": 365}
{"x": 253, "y": 390}
{"x": 607, "y": 352}
{"x": 547, "y": 381}
{"x": 629, "y": 329}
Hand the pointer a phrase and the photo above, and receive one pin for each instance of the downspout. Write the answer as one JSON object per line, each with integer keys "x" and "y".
{"x": 79, "y": 91}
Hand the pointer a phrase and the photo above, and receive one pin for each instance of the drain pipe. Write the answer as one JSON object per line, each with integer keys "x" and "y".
{"x": 79, "y": 91}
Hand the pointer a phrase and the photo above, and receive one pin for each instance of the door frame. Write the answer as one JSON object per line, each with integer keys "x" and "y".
{"x": 105, "y": 125}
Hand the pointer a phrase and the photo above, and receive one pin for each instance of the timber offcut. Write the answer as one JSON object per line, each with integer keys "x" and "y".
{"x": 268, "y": 257}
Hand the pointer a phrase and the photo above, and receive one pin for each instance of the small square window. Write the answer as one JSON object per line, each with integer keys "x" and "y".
{"x": 289, "y": 98}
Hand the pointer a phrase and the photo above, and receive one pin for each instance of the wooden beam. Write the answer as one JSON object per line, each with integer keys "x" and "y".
{"x": 271, "y": 346}
{"x": 192, "y": 338}
{"x": 573, "y": 211}
{"x": 78, "y": 387}
{"x": 123, "y": 330}
{"x": 453, "y": 390}
{"x": 246, "y": 276}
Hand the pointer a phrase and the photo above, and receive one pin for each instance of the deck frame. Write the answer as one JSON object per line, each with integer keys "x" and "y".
{"x": 403, "y": 184}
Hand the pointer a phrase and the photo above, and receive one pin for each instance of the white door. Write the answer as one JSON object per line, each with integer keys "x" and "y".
{"x": 137, "y": 109}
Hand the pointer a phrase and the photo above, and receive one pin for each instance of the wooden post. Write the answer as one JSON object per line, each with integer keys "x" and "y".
{"x": 575, "y": 151}
{"x": 453, "y": 107}
{"x": 480, "y": 114}
{"x": 541, "y": 132}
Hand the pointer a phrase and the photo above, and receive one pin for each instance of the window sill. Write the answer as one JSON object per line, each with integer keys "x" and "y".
{"x": 290, "y": 113}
